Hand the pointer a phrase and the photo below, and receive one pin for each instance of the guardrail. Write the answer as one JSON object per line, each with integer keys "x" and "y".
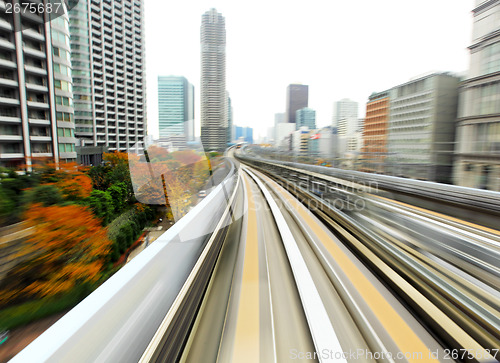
{"x": 475, "y": 205}
{"x": 118, "y": 320}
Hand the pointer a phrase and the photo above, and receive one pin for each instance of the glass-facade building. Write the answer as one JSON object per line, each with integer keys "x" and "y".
{"x": 305, "y": 117}
{"x": 175, "y": 107}
{"x": 297, "y": 97}
{"x": 244, "y": 134}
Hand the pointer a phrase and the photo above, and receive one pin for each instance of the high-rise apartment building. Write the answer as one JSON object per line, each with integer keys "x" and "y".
{"x": 421, "y": 130}
{"x": 175, "y": 107}
{"x": 36, "y": 98}
{"x": 107, "y": 53}
{"x": 375, "y": 128}
{"x": 230, "y": 134}
{"x": 477, "y": 151}
{"x": 345, "y": 116}
{"x": 305, "y": 117}
{"x": 214, "y": 119}
{"x": 297, "y": 97}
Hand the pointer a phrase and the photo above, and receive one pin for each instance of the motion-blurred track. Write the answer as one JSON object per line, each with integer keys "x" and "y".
{"x": 280, "y": 271}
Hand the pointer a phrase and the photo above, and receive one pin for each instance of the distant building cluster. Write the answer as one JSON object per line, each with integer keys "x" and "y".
{"x": 74, "y": 87}
{"x": 436, "y": 127}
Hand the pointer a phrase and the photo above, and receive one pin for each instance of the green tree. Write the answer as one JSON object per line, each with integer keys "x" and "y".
{"x": 119, "y": 196}
{"x": 44, "y": 194}
{"x": 7, "y": 207}
{"x": 101, "y": 205}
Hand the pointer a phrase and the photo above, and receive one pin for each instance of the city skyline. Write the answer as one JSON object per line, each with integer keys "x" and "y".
{"x": 405, "y": 50}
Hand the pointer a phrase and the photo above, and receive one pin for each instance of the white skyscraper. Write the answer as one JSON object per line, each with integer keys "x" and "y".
{"x": 214, "y": 108}
{"x": 345, "y": 116}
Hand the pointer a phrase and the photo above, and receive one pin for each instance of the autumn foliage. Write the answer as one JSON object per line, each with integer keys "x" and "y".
{"x": 68, "y": 248}
{"x": 69, "y": 178}
{"x": 169, "y": 179}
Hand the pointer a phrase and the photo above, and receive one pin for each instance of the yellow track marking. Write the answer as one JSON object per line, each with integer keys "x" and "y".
{"x": 404, "y": 337}
{"x": 453, "y": 219}
{"x": 246, "y": 343}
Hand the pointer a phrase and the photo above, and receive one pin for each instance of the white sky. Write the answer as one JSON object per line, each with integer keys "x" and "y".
{"x": 340, "y": 48}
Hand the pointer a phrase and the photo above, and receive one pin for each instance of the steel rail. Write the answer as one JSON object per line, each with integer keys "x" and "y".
{"x": 417, "y": 295}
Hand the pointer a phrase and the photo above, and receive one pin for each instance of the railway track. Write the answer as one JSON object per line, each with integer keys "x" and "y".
{"x": 458, "y": 307}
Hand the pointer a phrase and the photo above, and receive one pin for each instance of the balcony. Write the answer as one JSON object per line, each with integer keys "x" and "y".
{"x": 11, "y": 137}
{"x": 32, "y": 34}
{"x": 35, "y": 70}
{"x": 40, "y": 138}
{"x": 9, "y": 101}
{"x": 5, "y": 44}
{"x": 10, "y": 119}
{"x": 8, "y": 83}
{"x": 5, "y": 25}
{"x": 11, "y": 155}
{"x": 36, "y": 87}
{"x": 36, "y": 104}
{"x": 38, "y": 122}
{"x": 5, "y": 63}
{"x": 34, "y": 52}
{"x": 41, "y": 154}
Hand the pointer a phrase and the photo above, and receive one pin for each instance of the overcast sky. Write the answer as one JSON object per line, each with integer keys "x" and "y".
{"x": 340, "y": 48}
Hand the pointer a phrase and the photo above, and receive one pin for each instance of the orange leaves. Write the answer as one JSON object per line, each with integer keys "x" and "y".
{"x": 69, "y": 178}
{"x": 66, "y": 229}
{"x": 156, "y": 153}
{"x": 75, "y": 187}
{"x": 117, "y": 157}
{"x": 68, "y": 248}
{"x": 186, "y": 157}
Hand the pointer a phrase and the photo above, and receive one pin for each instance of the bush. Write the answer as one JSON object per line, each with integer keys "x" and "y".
{"x": 118, "y": 194}
{"x": 25, "y": 313}
{"x": 101, "y": 205}
{"x": 126, "y": 228}
{"x": 46, "y": 195}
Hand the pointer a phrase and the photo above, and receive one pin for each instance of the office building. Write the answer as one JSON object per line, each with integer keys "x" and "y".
{"x": 175, "y": 107}
{"x": 306, "y": 117}
{"x": 374, "y": 149}
{"x": 278, "y": 119}
{"x": 297, "y": 97}
{"x": 361, "y": 125}
{"x": 243, "y": 134}
{"x": 345, "y": 116}
{"x": 477, "y": 151}
{"x": 421, "y": 130}
{"x": 107, "y": 54}
{"x": 300, "y": 141}
{"x": 214, "y": 119}
{"x": 283, "y": 130}
{"x": 36, "y": 97}
{"x": 328, "y": 140}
